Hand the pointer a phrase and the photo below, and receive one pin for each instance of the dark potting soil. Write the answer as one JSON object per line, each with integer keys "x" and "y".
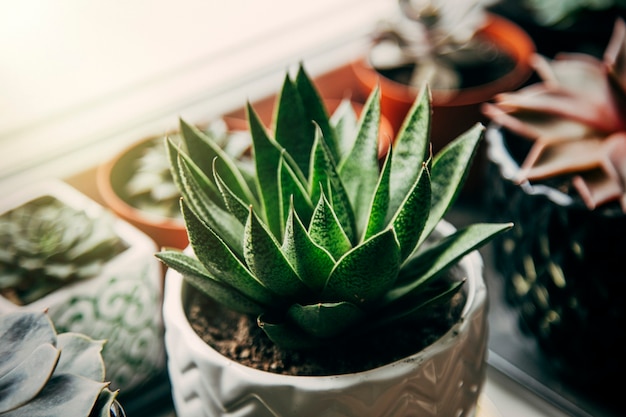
{"x": 238, "y": 337}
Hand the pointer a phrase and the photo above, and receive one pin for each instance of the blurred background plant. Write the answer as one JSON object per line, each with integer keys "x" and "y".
{"x": 46, "y": 244}
{"x": 433, "y": 38}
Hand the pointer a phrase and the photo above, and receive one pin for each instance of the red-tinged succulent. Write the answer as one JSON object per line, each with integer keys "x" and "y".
{"x": 576, "y": 117}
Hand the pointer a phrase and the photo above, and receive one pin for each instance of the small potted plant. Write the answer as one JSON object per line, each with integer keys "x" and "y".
{"x": 47, "y": 373}
{"x": 327, "y": 283}
{"x": 464, "y": 53}
{"x": 558, "y": 154}
{"x": 93, "y": 273}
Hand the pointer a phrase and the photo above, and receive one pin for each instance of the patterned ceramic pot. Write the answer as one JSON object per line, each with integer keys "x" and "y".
{"x": 121, "y": 305}
{"x": 562, "y": 266}
{"x": 444, "y": 379}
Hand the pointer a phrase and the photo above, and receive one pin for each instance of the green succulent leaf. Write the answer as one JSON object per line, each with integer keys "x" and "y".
{"x": 80, "y": 355}
{"x": 203, "y": 205}
{"x": 198, "y": 277}
{"x": 293, "y": 191}
{"x": 203, "y": 151}
{"x": 267, "y": 155}
{"x": 27, "y": 331}
{"x": 324, "y": 178}
{"x": 315, "y": 109}
{"x": 220, "y": 261}
{"x": 344, "y": 122}
{"x": 359, "y": 170}
{"x": 293, "y": 128}
{"x": 326, "y": 230}
{"x": 311, "y": 262}
{"x": 64, "y": 394}
{"x": 267, "y": 262}
{"x": 364, "y": 274}
{"x": 424, "y": 266}
{"x": 413, "y": 214}
{"x": 22, "y": 383}
{"x": 410, "y": 149}
{"x": 417, "y": 303}
{"x": 377, "y": 218}
{"x": 234, "y": 204}
{"x": 326, "y": 320}
{"x": 175, "y": 156}
{"x": 287, "y": 335}
{"x": 449, "y": 170}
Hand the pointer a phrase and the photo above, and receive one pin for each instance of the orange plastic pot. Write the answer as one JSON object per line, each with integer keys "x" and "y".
{"x": 111, "y": 178}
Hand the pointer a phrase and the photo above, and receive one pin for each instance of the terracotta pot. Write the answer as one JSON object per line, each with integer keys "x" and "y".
{"x": 121, "y": 304}
{"x": 111, "y": 178}
{"x": 444, "y": 379}
{"x": 454, "y": 112}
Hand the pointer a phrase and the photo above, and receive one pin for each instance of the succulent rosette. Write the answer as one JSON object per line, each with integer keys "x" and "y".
{"x": 576, "y": 118}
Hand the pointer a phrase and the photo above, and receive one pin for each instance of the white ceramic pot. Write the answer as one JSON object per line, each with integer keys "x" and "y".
{"x": 443, "y": 380}
{"x": 121, "y": 305}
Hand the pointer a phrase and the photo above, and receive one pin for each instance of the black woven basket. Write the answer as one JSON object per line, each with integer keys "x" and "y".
{"x": 564, "y": 266}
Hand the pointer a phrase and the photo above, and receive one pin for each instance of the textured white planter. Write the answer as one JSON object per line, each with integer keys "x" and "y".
{"x": 121, "y": 305}
{"x": 443, "y": 380}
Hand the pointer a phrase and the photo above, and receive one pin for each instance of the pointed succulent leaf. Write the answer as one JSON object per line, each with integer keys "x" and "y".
{"x": 415, "y": 304}
{"x": 293, "y": 128}
{"x": 287, "y": 335}
{"x": 326, "y": 230}
{"x": 424, "y": 266}
{"x": 344, "y": 121}
{"x": 377, "y": 217}
{"x": 292, "y": 190}
{"x": 80, "y": 355}
{"x": 234, "y": 204}
{"x": 449, "y": 171}
{"x": 411, "y": 148}
{"x": 315, "y": 109}
{"x": 204, "y": 207}
{"x": 27, "y": 378}
{"x": 176, "y": 155}
{"x": 311, "y": 262}
{"x": 198, "y": 277}
{"x": 325, "y": 178}
{"x": 63, "y": 395}
{"x": 359, "y": 170}
{"x": 220, "y": 261}
{"x": 413, "y": 213}
{"x": 267, "y": 262}
{"x": 267, "y": 154}
{"x": 326, "y": 320}
{"x": 203, "y": 151}
{"x": 364, "y": 274}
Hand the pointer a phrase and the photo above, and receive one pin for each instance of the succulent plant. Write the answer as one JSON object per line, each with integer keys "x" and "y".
{"x": 576, "y": 120}
{"x": 327, "y": 240}
{"x": 432, "y": 37}
{"x": 151, "y": 187}
{"x": 46, "y": 244}
{"x": 43, "y": 373}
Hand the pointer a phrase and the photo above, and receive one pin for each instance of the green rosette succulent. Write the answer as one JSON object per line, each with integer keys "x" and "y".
{"x": 46, "y": 244}
{"x": 325, "y": 240}
{"x": 43, "y": 373}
